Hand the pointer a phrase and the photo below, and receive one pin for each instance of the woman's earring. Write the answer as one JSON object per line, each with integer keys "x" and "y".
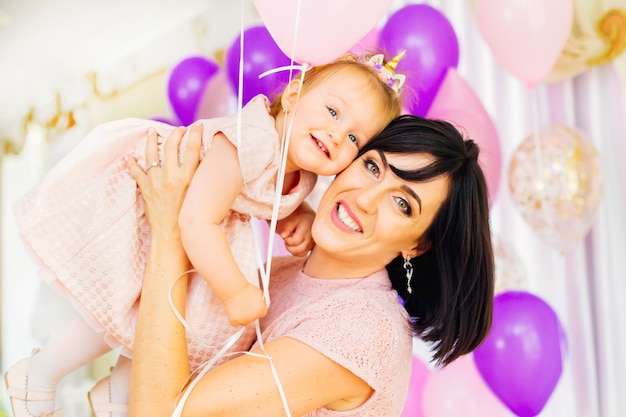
{"x": 285, "y": 109}
{"x": 408, "y": 269}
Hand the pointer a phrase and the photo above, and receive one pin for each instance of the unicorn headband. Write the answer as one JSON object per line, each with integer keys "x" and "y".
{"x": 387, "y": 71}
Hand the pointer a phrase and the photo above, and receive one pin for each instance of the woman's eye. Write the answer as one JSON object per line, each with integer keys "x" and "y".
{"x": 403, "y": 205}
{"x": 353, "y": 139}
{"x": 332, "y": 112}
{"x": 372, "y": 167}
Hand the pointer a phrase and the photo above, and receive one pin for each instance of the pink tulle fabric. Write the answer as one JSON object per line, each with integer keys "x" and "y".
{"x": 85, "y": 227}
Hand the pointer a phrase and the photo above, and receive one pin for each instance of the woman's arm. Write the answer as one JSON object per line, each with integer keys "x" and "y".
{"x": 160, "y": 362}
{"x": 245, "y": 386}
{"x": 211, "y": 194}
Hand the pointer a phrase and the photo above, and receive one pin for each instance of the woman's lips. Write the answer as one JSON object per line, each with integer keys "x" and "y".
{"x": 343, "y": 217}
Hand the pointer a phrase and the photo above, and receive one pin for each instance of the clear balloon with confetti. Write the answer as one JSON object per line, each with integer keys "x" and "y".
{"x": 555, "y": 180}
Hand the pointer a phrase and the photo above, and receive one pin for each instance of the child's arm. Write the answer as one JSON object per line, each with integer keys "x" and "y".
{"x": 211, "y": 194}
{"x": 295, "y": 230}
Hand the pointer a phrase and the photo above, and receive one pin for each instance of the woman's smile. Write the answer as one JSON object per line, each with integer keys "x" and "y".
{"x": 343, "y": 217}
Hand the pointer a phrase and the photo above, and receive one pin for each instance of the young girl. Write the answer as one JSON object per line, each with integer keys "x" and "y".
{"x": 85, "y": 226}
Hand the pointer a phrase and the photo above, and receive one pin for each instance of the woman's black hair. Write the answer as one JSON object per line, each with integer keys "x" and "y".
{"x": 452, "y": 287}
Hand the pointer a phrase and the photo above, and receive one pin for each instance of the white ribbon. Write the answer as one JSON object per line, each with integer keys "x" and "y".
{"x": 264, "y": 271}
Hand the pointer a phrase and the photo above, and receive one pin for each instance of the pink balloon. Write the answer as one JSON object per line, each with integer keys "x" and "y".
{"x": 457, "y": 103}
{"x": 526, "y": 37}
{"x": 218, "y": 98}
{"x": 419, "y": 375}
{"x": 321, "y": 30}
{"x": 367, "y": 44}
{"x": 458, "y": 390}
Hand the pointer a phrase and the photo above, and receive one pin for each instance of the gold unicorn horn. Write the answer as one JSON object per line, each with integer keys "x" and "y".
{"x": 391, "y": 65}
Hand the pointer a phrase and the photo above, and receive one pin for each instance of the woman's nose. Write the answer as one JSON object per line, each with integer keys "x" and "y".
{"x": 368, "y": 198}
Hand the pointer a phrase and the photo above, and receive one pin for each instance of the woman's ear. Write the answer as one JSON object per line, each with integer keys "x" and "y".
{"x": 290, "y": 94}
{"x": 418, "y": 250}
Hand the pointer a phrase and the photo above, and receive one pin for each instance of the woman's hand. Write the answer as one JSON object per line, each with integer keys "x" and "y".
{"x": 163, "y": 186}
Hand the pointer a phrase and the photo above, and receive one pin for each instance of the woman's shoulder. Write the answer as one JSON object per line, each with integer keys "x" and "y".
{"x": 366, "y": 314}
{"x": 376, "y": 310}
{"x": 364, "y": 330}
{"x": 357, "y": 323}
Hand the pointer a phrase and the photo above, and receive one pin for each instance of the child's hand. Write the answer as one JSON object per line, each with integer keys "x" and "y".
{"x": 296, "y": 231}
{"x": 246, "y": 306}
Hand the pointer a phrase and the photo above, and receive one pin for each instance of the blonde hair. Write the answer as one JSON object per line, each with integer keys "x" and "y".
{"x": 390, "y": 100}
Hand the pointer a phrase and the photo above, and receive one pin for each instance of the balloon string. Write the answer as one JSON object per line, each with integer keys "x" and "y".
{"x": 302, "y": 67}
{"x": 207, "y": 365}
{"x": 279, "y": 386}
{"x": 296, "y": 29}
{"x": 192, "y": 381}
{"x": 259, "y": 262}
{"x": 179, "y": 316}
{"x": 287, "y": 127}
{"x": 264, "y": 271}
{"x": 240, "y": 79}
{"x": 538, "y": 147}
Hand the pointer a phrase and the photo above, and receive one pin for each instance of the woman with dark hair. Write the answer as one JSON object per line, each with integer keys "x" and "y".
{"x": 460, "y": 255}
{"x": 409, "y": 216}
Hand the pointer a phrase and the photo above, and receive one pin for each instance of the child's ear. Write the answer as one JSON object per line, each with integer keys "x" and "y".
{"x": 290, "y": 94}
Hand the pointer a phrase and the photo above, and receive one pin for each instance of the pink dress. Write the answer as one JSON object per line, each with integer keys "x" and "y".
{"x": 358, "y": 323}
{"x": 85, "y": 227}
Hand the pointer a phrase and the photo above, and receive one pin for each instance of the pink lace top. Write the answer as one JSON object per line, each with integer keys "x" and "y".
{"x": 357, "y": 323}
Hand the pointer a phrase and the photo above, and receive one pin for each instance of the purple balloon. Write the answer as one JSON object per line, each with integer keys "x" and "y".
{"x": 521, "y": 358}
{"x": 186, "y": 85}
{"x": 431, "y": 48}
{"x": 260, "y": 53}
{"x": 164, "y": 120}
